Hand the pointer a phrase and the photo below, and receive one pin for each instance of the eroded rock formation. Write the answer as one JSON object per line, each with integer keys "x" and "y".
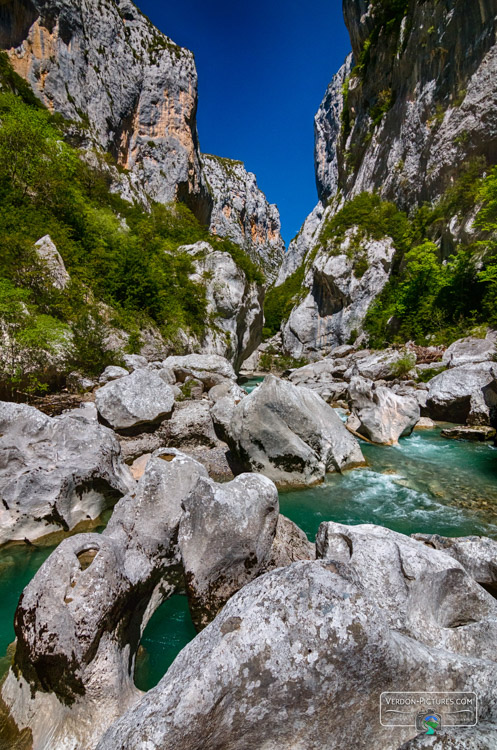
{"x": 80, "y": 620}
{"x": 242, "y": 213}
{"x": 56, "y": 473}
{"x": 289, "y": 434}
{"x": 377, "y": 611}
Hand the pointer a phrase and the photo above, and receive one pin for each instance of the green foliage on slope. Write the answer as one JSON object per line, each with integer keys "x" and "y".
{"x": 439, "y": 290}
{"x": 115, "y": 252}
{"x": 435, "y": 295}
{"x": 280, "y": 300}
{"x": 372, "y": 217}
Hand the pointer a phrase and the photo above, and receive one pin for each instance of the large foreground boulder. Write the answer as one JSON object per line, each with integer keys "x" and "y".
{"x": 80, "y": 620}
{"x": 477, "y": 555}
{"x": 380, "y": 414}
{"x": 55, "y": 473}
{"x": 225, "y": 537}
{"x": 323, "y": 636}
{"x": 290, "y": 435}
{"x": 142, "y": 398}
{"x": 422, "y": 591}
{"x": 464, "y": 394}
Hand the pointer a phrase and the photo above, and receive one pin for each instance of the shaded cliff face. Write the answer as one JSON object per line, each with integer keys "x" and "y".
{"x": 242, "y": 213}
{"x": 327, "y": 128}
{"x": 412, "y": 110}
{"x": 419, "y": 102}
{"x": 132, "y": 90}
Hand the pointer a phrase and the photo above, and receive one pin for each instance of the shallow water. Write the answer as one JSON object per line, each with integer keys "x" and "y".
{"x": 250, "y": 383}
{"x": 426, "y": 484}
{"x": 18, "y": 565}
{"x": 169, "y": 630}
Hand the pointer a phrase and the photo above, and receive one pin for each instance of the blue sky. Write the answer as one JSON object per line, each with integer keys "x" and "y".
{"x": 263, "y": 69}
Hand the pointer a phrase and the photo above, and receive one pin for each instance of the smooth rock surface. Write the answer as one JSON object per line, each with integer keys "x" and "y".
{"x": 465, "y": 393}
{"x": 141, "y": 398}
{"x": 291, "y": 435}
{"x": 190, "y": 425}
{"x": 423, "y": 592}
{"x": 225, "y": 536}
{"x": 301, "y": 639}
{"x": 478, "y": 555}
{"x": 211, "y": 369}
{"x": 55, "y": 473}
{"x": 81, "y": 618}
{"x": 470, "y": 350}
{"x": 383, "y": 416}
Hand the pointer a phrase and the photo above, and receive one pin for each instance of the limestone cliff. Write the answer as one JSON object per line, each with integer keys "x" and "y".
{"x": 413, "y": 104}
{"x": 242, "y": 213}
{"x": 129, "y": 88}
{"x": 421, "y": 98}
{"x": 131, "y": 91}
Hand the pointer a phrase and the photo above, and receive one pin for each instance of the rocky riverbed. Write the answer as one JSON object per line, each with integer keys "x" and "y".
{"x": 145, "y": 448}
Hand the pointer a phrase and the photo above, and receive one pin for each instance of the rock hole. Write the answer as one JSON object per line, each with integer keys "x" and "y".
{"x": 168, "y": 456}
{"x": 461, "y": 622}
{"x": 490, "y": 587}
{"x": 86, "y": 557}
{"x": 170, "y": 629}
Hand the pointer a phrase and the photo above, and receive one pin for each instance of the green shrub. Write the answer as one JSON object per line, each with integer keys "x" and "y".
{"x": 374, "y": 219}
{"x": 426, "y": 375}
{"x": 281, "y": 299}
{"x": 403, "y": 365}
{"x": 114, "y": 251}
{"x": 30, "y": 340}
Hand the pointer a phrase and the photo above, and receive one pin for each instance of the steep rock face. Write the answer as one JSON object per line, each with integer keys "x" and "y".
{"x": 242, "y": 212}
{"x": 134, "y": 92}
{"x": 414, "y": 102}
{"x": 300, "y": 245}
{"x": 422, "y": 99}
{"x": 234, "y": 305}
{"x": 327, "y": 126}
{"x": 341, "y": 288}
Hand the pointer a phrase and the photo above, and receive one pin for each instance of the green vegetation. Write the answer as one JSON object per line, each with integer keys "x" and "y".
{"x": 388, "y": 15}
{"x": 271, "y": 361}
{"x": 383, "y": 104}
{"x": 371, "y": 218}
{"x": 125, "y": 265}
{"x": 280, "y": 300}
{"x": 403, "y": 365}
{"x": 438, "y": 290}
{"x": 30, "y": 340}
{"x": 426, "y": 375}
{"x": 435, "y": 295}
